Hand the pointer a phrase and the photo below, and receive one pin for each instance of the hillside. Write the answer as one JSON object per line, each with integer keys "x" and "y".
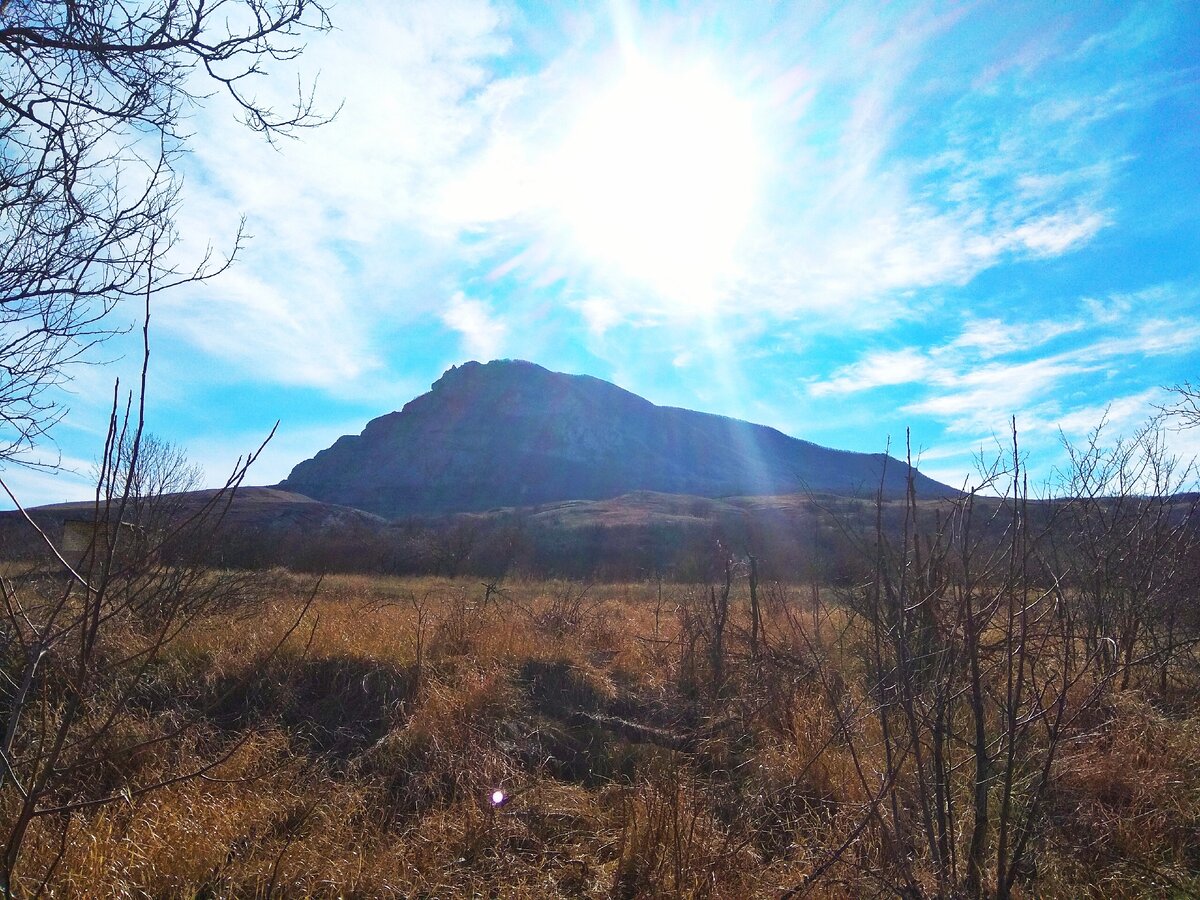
{"x": 511, "y": 433}
{"x": 252, "y": 511}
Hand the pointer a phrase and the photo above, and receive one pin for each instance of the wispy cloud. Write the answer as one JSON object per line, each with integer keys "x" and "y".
{"x": 442, "y": 158}
{"x": 993, "y": 337}
{"x": 993, "y": 369}
{"x": 1055, "y": 234}
{"x": 974, "y": 399}
{"x": 297, "y": 331}
{"x": 35, "y": 486}
{"x": 1120, "y": 415}
{"x": 878, "y": 369}
{"x": 341, "y": 219}
{"x": 600, "y": 314}
{"x": 483, "y": 334}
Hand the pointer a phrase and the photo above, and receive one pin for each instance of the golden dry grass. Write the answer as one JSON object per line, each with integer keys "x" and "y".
{"x": 370, "y": 745}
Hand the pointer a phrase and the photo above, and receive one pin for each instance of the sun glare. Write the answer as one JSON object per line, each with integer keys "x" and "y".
{"x": 659, "y": 176}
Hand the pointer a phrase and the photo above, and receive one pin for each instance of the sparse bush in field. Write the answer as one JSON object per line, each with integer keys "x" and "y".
{"x": 1125, "y": 552}
{"x": 81, "y": 652}
{"x": 987, "y": 639}
{"x": 566, "y": 608}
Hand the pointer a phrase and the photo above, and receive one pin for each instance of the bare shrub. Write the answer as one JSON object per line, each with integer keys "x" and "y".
{"x": 81, "y": 651}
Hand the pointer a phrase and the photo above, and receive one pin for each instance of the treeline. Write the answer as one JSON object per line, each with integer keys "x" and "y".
{"x": 815, "y": 539}
{"x": 489, "y": 546}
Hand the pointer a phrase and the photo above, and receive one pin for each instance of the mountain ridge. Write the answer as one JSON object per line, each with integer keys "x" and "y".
{"x": 512, "y": 433}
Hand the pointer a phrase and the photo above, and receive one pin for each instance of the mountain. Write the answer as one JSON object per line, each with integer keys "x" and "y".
{"x": 511, "y": 433}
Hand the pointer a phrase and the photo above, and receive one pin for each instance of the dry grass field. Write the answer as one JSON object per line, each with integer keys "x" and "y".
{"x": 347, "y": 740}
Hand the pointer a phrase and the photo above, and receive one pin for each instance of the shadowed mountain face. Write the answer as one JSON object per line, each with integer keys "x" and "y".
{"x": 510, "y": 433}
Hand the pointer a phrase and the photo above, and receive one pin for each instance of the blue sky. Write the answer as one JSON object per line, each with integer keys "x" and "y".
{"x": 842, "y": 220}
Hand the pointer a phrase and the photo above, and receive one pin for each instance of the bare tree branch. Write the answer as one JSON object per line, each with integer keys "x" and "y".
{"x": 93, "y": 96}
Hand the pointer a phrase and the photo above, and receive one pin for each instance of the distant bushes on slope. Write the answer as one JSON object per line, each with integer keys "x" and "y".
{"x": 809, "y": 542}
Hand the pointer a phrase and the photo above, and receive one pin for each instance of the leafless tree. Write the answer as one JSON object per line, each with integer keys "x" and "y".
{"x": 94, "y": 96}
{"x": 77, "y": 651}
{"x": 1129, "y": 532}
{"x": 1184, "y": 412}
{"x": 970, "y": 678}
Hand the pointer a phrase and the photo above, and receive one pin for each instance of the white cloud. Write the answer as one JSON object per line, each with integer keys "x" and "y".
{"x": 877, "y": 369}
{"x": 600, "y": 314}
{"x": 993, "y": 337}
{"x": 969, "y": 399}
{"x": 1055, "y": 234}
{"x": 341, "y": 218}
{"x": 299, "y": 332}
{"x": 1121, "y": 415}
{"x": 442, "y": 158}
{"x": 74, "y": 480}
{"x": 990, "y": 371}
{"x": 483, "y": 334}
{"x": 1151, "y": 337}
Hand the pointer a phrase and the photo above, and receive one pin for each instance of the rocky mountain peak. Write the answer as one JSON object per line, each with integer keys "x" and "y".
{"x": 512, "y": 433}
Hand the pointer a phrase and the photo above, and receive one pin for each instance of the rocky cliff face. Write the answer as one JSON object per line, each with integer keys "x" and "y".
{"x": 511, "y": 433}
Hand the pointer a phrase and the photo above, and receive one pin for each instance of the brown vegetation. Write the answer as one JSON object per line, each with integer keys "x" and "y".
{"x": 1002, "y": 699}
{"x": 367, "y": 749}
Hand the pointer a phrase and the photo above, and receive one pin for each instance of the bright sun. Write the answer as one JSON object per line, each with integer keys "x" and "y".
{"x": 659, "y": 177}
